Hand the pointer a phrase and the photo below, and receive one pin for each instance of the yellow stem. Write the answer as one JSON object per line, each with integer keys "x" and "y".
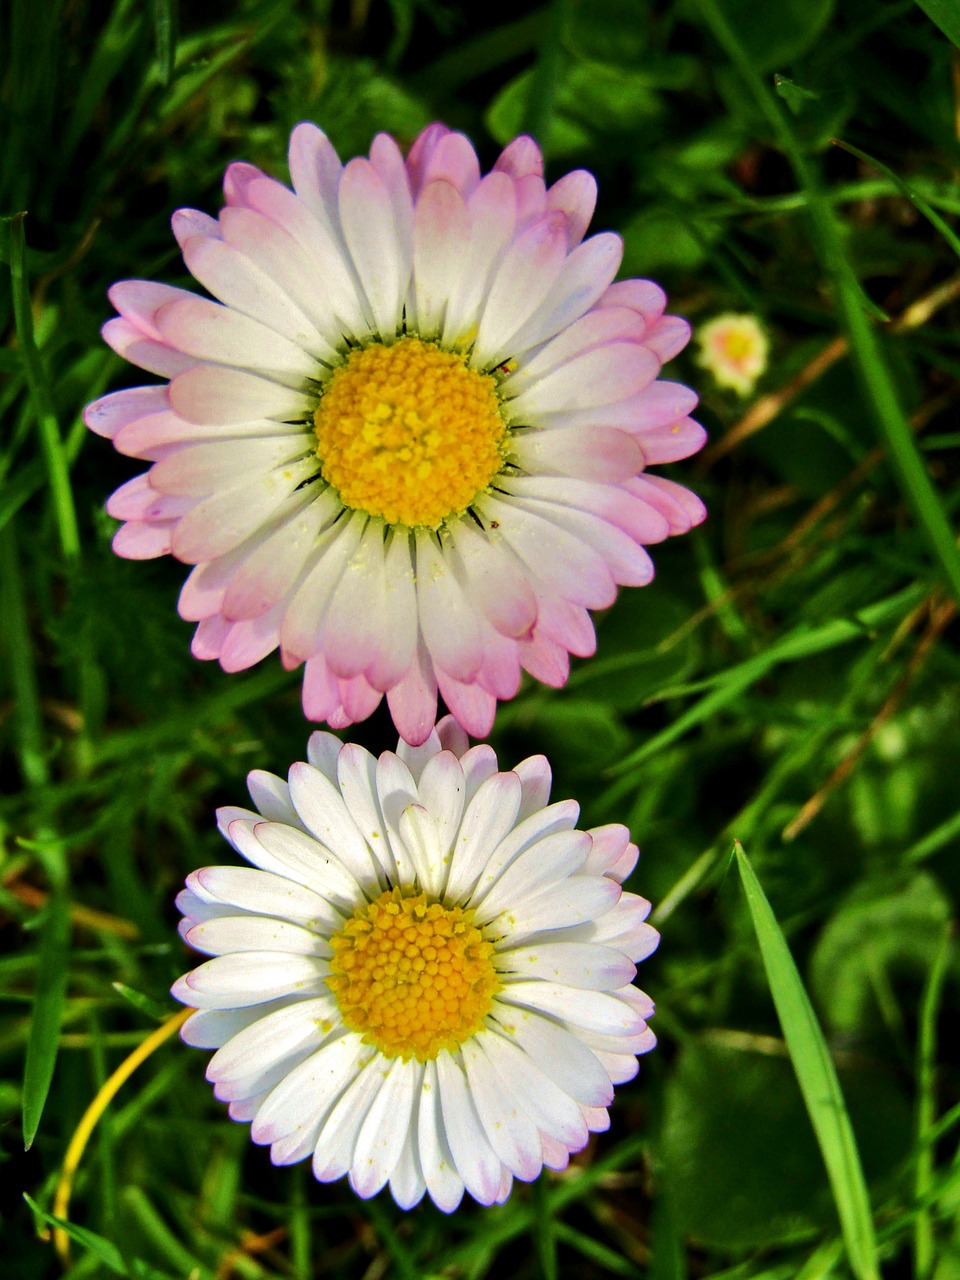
{"x": 78, "y": 1143}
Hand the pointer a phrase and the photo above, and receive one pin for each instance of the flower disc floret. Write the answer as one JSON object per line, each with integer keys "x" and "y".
{"x": 411, "y": 975}
{"x": 409, "y": 432}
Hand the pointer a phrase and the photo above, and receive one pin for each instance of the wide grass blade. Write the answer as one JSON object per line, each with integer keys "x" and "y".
{"x": 48, "y": 1006}
{"x": 946, "y": 15}
{"x": 817, "y": 1079}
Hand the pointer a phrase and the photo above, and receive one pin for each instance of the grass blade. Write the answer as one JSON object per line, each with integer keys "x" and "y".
{"x": 816, "y": 1077}
{"x": 923, "y": 1239}
{"x": 946, "y": 15}
{"x": 107, "y": 1252}
{"x": 40, "y": 393}
{"x": 48, "y": 1006}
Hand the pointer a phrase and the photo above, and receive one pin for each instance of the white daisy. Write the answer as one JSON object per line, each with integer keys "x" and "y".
{"x": 426, "y": 979}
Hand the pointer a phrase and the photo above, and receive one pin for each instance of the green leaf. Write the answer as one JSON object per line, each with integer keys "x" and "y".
{"x": 165, "y": 36}
{"x": 781, "y": 32}
{"x": 871, "y": 934}
{"x": 48, "y": 1007}
{"x": 946, "y": 15}
{"x": 817, "y": 1079}
{"x": 934, "y": 218}
{"x": 140, "y": 1000}
{"x": 107, "y": 1252}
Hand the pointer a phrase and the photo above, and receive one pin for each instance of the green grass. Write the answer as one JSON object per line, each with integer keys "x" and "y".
{"x": 790, "y": 680}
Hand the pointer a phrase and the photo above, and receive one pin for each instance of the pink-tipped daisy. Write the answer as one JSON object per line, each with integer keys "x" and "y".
{"x": 735, "y": 349}
{"x": 409, "y": 443}
{"x": 426, "y": 979}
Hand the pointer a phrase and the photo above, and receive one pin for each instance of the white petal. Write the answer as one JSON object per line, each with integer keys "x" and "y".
{"x": 509, "y": 1129}
{"x": 593, "y": 1010}
{"x": 210, "y": 393}
{"x": 310, "y": 1090}
{"x": 559, "y": 1053}
{"x": 493, "y": 213}
{"x": 571, "y": 902}
{"x": 229, "y": 934}
{"x": 250, "y": 977}
{"x": 271, "y": 1040}
{"x": 384, "y": 1129}
{"x": 487, "y": 819}
{"x": 396, "y": 790}
{"x": 524, "y": 278}
{"x": 310, "y": 863}
{"x": 542, "y": 865}
{"x": 357, "y": 772}
{"x": 476, "y": 1162}
{"x": 338, "y": 1136}
{"x": 211, "y": 1028}
{"x": 582, "y": 964}
{"x": 325, "y": 814}
{"x": 436, "y": 1159}
{"x": 240, "y": 284}
{"x": 268, "y": 894}
{"x": 302, "y": 628}
{"x": 552, "y": 1110}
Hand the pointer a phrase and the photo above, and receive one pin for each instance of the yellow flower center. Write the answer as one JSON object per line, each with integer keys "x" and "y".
{"x": 409, "y": 432}
{"x": 738, "y": 347}
{"x": 412, "y": 976}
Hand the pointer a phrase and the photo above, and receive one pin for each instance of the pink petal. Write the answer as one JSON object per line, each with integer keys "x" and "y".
{"x": 447, "y": 617}
{"x": 564, "y": 564}
{"x": 601, "y": 453}
{"x": 249, "y": 641}
{"x": 130, "y": 344}
{"x": 240, "y": 283}
{"x": 139, "y": 300}
{"x": 473, "y": 707}
{"x": 421, "y": 150}
{"x": 608, "y": 373}
{"x": 494, "y": 582}
{"x": 525, "y": 276}
{"x": 642, "y": 295}
{"x": 187, "y": 223}
{"x": 381, "y": 258}
{"x": 680, "y": 508}
{"x": 143, "y": 541}
{"x": 413, "y": 701}
{"x": 315, "y": 170}
{"x": 112, "y": 413}
{"x": 575, "y": 195}
{"x": 583, "y": 277}
{"x": 452, "y": 160}
{"x": 669, "y": 335}
{"x": 622, "y": 508}
{"x": 493, "y": 214}
{"x": 440, "y": 231}
{"x": 520, "y": 158}
{"x": 597, "y": 328}
{"x": 213, "y": 394}
{"x": 321, "y": 690}
{"x": 670, "y": 444}
{"x": 546, "y": 660}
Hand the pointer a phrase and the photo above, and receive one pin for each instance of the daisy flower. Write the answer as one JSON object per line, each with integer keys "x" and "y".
{"x": 408, "y": 444}
{"x": 426, "y": 979}
{"x": 734, "y": 348}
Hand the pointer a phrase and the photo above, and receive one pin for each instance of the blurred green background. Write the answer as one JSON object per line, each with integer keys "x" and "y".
{"x": 789, "y": 679}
